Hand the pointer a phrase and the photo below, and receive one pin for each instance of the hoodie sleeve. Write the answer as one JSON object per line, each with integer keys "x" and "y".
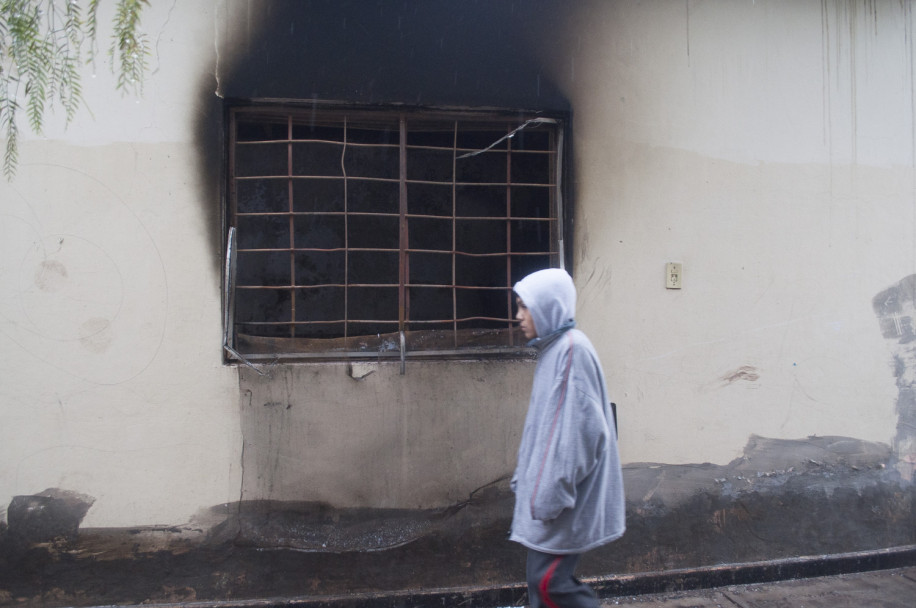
{"x": 577, "y": 436}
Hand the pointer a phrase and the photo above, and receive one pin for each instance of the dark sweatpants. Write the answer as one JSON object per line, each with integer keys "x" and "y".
{"x": 552, "y": 583}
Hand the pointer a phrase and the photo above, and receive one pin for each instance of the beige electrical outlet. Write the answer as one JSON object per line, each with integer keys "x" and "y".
{"x": 673, "y": 276}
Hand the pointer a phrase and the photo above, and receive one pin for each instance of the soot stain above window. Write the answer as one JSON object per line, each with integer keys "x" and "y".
{"x": 415, "y": 52}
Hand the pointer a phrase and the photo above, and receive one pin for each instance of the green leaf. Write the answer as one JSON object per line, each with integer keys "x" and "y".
{"x": 41, "y": 50}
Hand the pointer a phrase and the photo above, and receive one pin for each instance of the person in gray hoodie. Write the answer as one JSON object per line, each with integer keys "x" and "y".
{"x": 568, "y": 483}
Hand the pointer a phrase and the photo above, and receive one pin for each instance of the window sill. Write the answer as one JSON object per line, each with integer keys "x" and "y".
{"x": 419, "y": 345}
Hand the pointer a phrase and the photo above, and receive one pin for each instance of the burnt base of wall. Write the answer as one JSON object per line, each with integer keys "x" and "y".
{"x": 689, "y": 526}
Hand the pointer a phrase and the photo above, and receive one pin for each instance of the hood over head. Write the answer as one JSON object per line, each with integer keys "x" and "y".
{"x": 550, "y": 296}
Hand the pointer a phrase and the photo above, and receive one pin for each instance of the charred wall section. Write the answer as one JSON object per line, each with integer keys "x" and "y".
{"x": 442, "y": 54}
{"x": 781, "y": 499}
{"x": 414, "y": 52}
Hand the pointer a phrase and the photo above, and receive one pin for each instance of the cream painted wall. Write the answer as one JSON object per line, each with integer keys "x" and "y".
{"x": 768, "y": 147}
{"x": 111, "y": 329}
{"x": 110, "y": 323}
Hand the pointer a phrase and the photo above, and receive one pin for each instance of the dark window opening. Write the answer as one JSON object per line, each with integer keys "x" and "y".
{"x": 353, "y": 228}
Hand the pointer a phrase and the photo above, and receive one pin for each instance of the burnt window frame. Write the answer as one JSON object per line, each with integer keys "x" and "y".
{"x": 475, "y": 136}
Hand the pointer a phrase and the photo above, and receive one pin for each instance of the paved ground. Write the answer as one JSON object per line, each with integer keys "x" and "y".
{"x": 879, "y": 589}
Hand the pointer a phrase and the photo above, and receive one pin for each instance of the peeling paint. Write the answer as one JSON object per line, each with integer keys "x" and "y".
{"x": 896, "y": 311}
{"x": 50, "y": 515}
{"x": 747, "y": 373}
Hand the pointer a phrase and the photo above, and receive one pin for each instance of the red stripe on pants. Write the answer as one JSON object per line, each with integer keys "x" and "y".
{"x": 545, "y": 583}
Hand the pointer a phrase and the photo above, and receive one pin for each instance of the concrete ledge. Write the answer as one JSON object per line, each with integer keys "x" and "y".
{"x": 754, "y": 572}
{"x": 606, "y": 586}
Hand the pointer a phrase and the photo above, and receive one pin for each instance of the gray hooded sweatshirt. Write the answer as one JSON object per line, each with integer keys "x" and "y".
{"x": 568, "y": 483}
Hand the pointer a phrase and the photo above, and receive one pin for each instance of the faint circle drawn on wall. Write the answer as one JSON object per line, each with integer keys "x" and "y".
{"x": 92, "y": 291}
{"x": 69, "y": 277}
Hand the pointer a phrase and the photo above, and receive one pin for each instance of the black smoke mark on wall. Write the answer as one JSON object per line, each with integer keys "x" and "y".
{"x": 438, "y": 53}
{"x": 416, "y": 52}
{"x": 827, "y": 497}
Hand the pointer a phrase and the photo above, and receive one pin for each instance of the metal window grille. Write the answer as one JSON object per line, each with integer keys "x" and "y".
{"x": 355, "y": 229}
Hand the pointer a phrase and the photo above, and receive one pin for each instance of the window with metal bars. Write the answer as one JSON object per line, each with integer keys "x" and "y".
{"x": 371, "y": 233}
